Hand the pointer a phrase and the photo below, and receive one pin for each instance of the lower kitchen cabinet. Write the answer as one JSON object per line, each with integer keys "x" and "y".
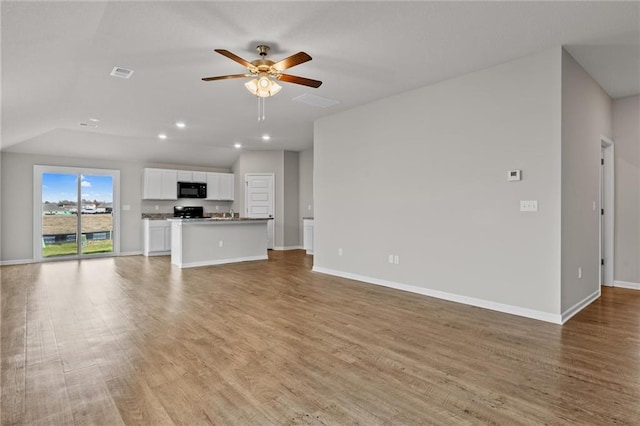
{"x": 307, "y": 235}
{"x": 156, "y": 237}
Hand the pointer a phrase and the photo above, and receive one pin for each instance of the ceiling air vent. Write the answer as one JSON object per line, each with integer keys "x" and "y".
{"x": 121, "y": 72}
{"x": 314, "y": 100}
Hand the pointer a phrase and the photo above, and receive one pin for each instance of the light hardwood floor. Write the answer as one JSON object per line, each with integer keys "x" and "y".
{"x": 134, "y": 340}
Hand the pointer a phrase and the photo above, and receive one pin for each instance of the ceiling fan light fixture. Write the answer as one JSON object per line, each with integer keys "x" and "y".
{"x": 263, "y": 87}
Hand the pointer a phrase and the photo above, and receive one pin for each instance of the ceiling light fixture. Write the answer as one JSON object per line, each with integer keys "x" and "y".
{"x": 180, "y": 124}
{"x": 162, "y": 136}
{"x": 263, "y": 86}
{"x": 95, "y": 120}
{"x": 266, "y": 137}
{"x": 237, "y": 145}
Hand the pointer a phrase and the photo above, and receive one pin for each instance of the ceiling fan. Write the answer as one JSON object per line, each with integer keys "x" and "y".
{"x": 262, "y": 70}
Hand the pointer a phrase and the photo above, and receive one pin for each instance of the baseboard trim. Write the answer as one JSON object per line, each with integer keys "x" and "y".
{"x": 466, "y": 300}
{"x": 285, "y": 248}
{"x": 27, "y": 261}
{"x": 16, "y": 262}
{"x": 626, "y": 284}
{"x": 569, "y": 313}
{"x": 222, "y": 261}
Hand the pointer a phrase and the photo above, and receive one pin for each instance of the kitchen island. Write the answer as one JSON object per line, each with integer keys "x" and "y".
{"x": 215, "y": 241}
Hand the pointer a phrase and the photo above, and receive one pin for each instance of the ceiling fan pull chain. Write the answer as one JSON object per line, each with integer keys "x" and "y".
{"x": 261, "y": 109}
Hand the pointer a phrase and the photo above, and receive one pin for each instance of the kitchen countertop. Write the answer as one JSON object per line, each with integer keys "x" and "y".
{"x": 215, "y": 219}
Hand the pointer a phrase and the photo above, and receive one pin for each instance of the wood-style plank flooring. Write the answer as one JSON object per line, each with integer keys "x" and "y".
{"x": 133, "y": 340}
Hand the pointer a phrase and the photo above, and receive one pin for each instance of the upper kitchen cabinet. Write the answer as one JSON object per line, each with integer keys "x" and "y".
{"x": 226, "y": 186}
{"x": 188, "y": 176}
{"x": 160, "y": 184}
{"x": 220, "y": 186}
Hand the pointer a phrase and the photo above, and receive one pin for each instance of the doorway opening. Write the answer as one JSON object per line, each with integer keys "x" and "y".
{"x": 607, "y": 213}
{"x": 75, "y": 212}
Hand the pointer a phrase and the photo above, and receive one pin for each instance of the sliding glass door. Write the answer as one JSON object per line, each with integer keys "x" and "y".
{"x": 75, "y": 212}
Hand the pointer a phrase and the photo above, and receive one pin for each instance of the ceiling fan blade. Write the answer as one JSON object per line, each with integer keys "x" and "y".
{"x": 236, "y": 58}
{"x": 225, "y": 77}
{"x": 299, "y": 80}
{"x": 291, "y": 61}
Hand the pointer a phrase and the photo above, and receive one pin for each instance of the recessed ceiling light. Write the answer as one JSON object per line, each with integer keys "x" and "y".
{"x": 162, "y": 136}
{"x": 180, "y": 124}
{"x": 237, "y": 145}
{"x": 266, "y": 137}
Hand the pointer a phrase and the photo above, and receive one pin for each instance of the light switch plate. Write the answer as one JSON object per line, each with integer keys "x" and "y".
{"x": 514, "y": 175}
{"x": 528, "y": 205}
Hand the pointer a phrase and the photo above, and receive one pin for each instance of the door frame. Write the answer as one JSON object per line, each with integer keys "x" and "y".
{"x": 606, "y": 224}
{"x": 38, "y": 170}
{"x": 271, "y": 222}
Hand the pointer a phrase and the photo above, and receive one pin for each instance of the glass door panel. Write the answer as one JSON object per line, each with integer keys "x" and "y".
{"x": 59, "y": 214}
{"x": 96, "y": 214}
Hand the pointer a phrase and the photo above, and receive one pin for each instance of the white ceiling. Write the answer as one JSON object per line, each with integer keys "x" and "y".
{"x": 57, "y": 56}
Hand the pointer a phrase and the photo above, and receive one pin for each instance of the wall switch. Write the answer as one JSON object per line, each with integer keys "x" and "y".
{"x": 390, "y": 258}
{"x": 309, "y": 207}
{"x": 217, "y": 208}
{"x": 580, "y": 273}
{"x": 220, "y": 243}
{"x": 514, "y": 175}
{"x": 528, "y": 205}
{"x": 396, "y": 260}
{"x": 594, "y": 206}
{"x": 126, "y": 207}
{"x": 339, "y": 252}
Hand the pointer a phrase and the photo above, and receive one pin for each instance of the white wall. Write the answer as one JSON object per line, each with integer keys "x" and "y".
{"x": 626, "y": 136}
{"x": 284, "y": 164}
{"x": 586, "y": 116}
{"x": 17, "y": 201}
{"x": 291, "y": 200}
{"x": 306, "y": 186}
{"x": 422, "y": 175}
{"x": 16, "y": 226}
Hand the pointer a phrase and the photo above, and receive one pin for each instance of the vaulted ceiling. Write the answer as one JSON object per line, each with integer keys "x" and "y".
{"x": 57, "y": 57}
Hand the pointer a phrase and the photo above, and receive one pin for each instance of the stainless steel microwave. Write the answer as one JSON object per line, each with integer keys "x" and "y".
{"x": 192, "y": 190}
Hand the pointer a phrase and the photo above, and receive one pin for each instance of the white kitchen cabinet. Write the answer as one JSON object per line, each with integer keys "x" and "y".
{"x": 220, "y": 186}
{"x": 160, "y": 184}
{"x": 189, "y": 176}
{"x": 307, "y": 235}
{"x": 213, "y": 186}
{"x": 226, "y": 186}
{"x": 156, "y": 237}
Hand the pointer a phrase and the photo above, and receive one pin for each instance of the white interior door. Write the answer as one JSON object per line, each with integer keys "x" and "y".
{"x": 259, "y": 200}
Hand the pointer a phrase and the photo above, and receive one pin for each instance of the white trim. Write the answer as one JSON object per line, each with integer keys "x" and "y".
{"x": 481, "y": 303}
{"x": 132, "y": 253}
{"x": 16, "y": 262}
{"x": 38, "y": 170}
{"x": 569, "y": 313}
{"x": 626, "y": 284}
{"x": 222, "y": 261}
{"x": 607, "y": 153}
{"x": 285, "y": 248}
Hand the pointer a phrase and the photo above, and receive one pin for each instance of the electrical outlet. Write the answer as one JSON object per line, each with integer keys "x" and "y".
{"x": 396, "y": 260}
{"x": 309, "y": 207}
{"x": 220, "y": 243}
{"x": 339, "y": 252}
{"x": 157, "y": 207}
{"x": 529, "y": 205}
{"x": 390, "y": 258}
{"x": 217, "y": 208}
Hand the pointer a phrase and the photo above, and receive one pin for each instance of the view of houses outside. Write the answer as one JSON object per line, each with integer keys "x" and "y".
{"x": 64, "y": 211}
